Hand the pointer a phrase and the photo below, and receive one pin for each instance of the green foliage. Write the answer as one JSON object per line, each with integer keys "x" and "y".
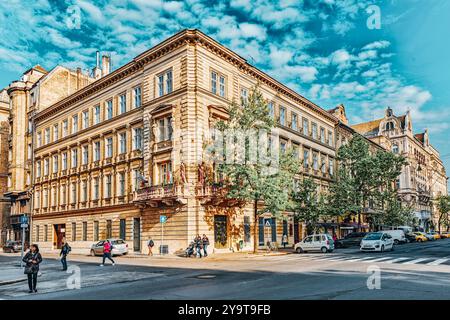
{"x": 443, "y": 206}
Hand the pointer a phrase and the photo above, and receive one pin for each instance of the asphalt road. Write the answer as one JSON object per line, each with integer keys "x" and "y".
{"x": 411, "y": 271}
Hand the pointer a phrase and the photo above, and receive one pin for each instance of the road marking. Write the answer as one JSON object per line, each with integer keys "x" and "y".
{"x": 361, "y": 259}
{"x": 437, "y": 262}
{"x": 416, "y": 261}
{"x": 378, "y": 259}
{"x": 397, "y": 260}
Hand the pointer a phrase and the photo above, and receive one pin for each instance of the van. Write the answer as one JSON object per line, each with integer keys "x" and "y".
{"x": 397, "y": 235}
{"x": 316, "y": 242}
{"x": 406, "y": 229}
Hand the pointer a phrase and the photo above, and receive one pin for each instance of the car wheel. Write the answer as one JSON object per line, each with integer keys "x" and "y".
{"x": 299, "y": 250}
{"x": 382, "y": 248}
{"x": 396, "y": 241}
{"x": 92, "y": 253}
{"x": 324, "y": 250}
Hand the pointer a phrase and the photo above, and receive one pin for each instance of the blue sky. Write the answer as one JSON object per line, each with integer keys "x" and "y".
{"x": 321, "y": 48}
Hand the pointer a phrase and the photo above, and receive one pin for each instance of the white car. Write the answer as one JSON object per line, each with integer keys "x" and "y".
{"x": 377, "y": 241}
{"x": 316, "y": 242}
{"x": 119, "y": 247}
{"x": 397, "y": 235}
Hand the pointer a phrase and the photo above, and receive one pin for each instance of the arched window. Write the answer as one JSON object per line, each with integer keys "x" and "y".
{"x": 395, "y": 148}
{"x": 390, "y": 126}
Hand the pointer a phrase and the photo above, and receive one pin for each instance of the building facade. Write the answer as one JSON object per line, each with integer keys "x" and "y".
{"x": 113, "y": 157}
{"x": 4, "y": 149}
{"x": 36, "y": 90}
{"x": 424, "y": 176}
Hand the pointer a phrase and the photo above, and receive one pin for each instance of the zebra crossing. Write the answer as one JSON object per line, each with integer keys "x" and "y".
{"x": 389, "y": 259}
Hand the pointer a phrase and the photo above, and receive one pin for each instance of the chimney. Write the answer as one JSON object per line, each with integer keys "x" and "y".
{"x": 96, "y": 71}
{"x": 79, "y": 74}
{"x": 105, "y": 65}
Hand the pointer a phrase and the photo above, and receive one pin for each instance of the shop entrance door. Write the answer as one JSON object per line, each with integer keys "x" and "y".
{"x": 58, "y": 235}
{"x": 220, "y": 232}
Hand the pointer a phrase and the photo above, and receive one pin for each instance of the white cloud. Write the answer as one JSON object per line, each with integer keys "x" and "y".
{"x": 377, "y": 45}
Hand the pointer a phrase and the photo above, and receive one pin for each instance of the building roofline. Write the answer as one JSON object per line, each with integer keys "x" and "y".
{"x": 183, "y": 37}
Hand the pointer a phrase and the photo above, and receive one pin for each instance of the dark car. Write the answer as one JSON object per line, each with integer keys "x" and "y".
{"x": 12, "y": 246}
{"x": 410, "y": 237}
{"x": 352, "y": 239}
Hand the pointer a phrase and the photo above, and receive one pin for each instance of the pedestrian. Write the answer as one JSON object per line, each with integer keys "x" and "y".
{"x": 205, "y": 241}
{"x": 334, "y": 237}
{"x": 198, "y": 245}
{"x": 107, "y": 248}
{"x": 32, "y": 260}
{"x": 284, "y": 240}
{"x": 150, "y": 245}
{"x": 65, "y": 249}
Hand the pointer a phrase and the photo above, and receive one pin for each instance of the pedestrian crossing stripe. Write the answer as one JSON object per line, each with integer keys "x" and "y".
{"x": 378, "y": 259}
{"x": 397, "y": 260}
{"x": 416, "y": 261}
{"x": 361, "y": 259}
{"x": 437, "y": 262}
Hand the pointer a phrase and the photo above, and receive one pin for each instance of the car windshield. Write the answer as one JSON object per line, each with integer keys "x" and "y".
{"x": 117, "y": 242}
{"x": 373, "y": 236}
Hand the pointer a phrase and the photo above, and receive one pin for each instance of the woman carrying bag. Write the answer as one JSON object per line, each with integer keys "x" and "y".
{"x": 32, "y": 260}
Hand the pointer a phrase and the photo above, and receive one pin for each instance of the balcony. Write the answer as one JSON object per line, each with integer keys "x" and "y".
{"x": 96, "y": 164}
{"x": 161, "y": 195}
{"x": 214, "y": 194}
{"x": 163, "y": 146}
{"x": 136, "y": 154}
{"x": 84, "y": 167}
{"x": 121, "y": 157}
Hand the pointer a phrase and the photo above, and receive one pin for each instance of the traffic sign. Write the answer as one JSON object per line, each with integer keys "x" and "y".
{"x": 162, "y": 219}
{"x": 24, "y": 219}
{"x": 24, "y": 225}
{"x": 268, "y": 223}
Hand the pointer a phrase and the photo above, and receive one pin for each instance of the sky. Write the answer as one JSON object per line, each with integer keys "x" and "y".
{"x": 366, "y": 54}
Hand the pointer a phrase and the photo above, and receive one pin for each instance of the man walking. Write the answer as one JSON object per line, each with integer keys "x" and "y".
{"x": 150, "y": 245}
{"x": 107, "y": 247}
{"x": 205, "y": 241}
{"x": 65, "y": 249}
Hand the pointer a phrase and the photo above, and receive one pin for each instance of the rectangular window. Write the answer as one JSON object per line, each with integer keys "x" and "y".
{"x": 55, "y": 164}
{"x": 222, "y": 86}
{"x": 46, "y": 166}
{"x": 323, "y": 165}
{"x": 74, "y": 124}
{"x": 161, "y": 85}
{"x": 55, "y": 132}
{"x": 322, "y": 135}
{"x": 29, "y": 153}
{"x": 96, "y": 190}
{"x": 137, "y": 139}
{"x": 283, "y": 146}
{"x": 37, "y": 199}
{"x": 123, "y": 228}
{"x": 64, "y": 161}
{"x": 244, "y": 94}
{"x": 169, "y": 82}
{"x": 108, "y": 229}
{"x": 331, "y": 167}
{"x": 85, "y": 119}
{"x": 74, "y": 231}
{"x": 271, "y": 110}
{"x": 122, "y": 143}
{"x": 37, "y": 234}
{"x": 96, "y": 114}
{"x": 47, "y": 136}
{"x": 108, "y": 147}
{"x": 96, "y": 231}
{"x": 45, "y": 233}
{"x": 294, "y": 124}
{"x": 165, "y": 173}
{"x": 165, "y": 83}
{"x": 74, "y": 193}
{"x": 84, "y": 231}
{"x": 63, "y": 194}
{"x": 315, "y": 162}
{"x": 121, "y": 184}
{"x": 136, "y": 179}
{"x": 218, "y": 80}
{"x": 109, "y": 109}
{"x": 282, "y": 116}
{"x": 65, "y": 130}
{"x": 45, "y": 205}
{"x": 330, "y": 138}
{"x": 122, "y": 103}
{"x": 85, "y": 159}
{"x": 214, "y": 82}
{"x": 39, "y": 139}
{"x": 108, "y": 184}
{"x": 74, "y": 158}
{"x": 137, "y": 97}
{"x": 97, "y": 151}
{"x": 38, "y": 169}
{"x": 305, "y": 127}
{"x": 314, "y": 130}
{"x": 84, "y": 190}
{"x": 305, "y": 159}
{"x": 54, "y": 195}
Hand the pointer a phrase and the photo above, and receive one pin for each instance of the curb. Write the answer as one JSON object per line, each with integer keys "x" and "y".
{"x": 4, "y": 283}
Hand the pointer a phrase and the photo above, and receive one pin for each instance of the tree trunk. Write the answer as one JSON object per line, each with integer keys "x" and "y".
{"x": 255, "y": 225}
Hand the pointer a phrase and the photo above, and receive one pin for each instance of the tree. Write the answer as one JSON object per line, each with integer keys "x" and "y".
{"x": 443, "y": 206}
{"x": 254, "y": 169}
{"x": 362, "y": 177}
{"x": 308, "y": 205}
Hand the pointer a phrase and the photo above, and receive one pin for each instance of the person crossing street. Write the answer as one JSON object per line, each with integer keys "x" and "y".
{"x": 107, "y": 249}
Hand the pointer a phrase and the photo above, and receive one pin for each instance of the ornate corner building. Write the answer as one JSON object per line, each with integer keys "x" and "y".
{"x": 424, "y": 178}
{"x": 4, "y": 147}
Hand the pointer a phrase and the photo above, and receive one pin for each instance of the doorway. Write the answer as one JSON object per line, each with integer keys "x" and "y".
{"x": 220, "y": 232}
{"x": 58, "y": 235}
{"x": 137, "y": 234}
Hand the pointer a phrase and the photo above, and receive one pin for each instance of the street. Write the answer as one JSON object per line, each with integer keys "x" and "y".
{"x": 411, "y": 271}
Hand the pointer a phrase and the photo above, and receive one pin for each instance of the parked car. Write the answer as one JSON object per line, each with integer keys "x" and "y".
{"x": 435, "y": 234}
{"x": 377, "y": 241}
{"x": 352, "y": 239}
{"x": 420, "y": 237}
{"x": 406, "y": 229}
{"x": 119, "y": 247}
{"x": 445, "y": 234}
{"x": 411, "y": 237}
{"x": 426, "y": 235}
{"x": 12, "y": 246}
{"x": 316, "y": 242}
{"x": 397, "y": 235}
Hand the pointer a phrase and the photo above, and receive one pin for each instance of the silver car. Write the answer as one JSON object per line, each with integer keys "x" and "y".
{"x": 119, "y": 247}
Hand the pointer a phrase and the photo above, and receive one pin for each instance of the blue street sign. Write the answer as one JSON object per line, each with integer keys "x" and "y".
{"x": 24, "y": 219}
{"x": 162, "y": 219}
